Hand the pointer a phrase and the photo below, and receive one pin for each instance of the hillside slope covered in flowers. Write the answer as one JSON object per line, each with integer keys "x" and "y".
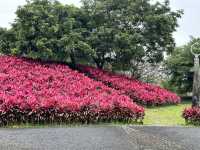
{"x": 141, "y": 92}
{"x": 35, "y": 92}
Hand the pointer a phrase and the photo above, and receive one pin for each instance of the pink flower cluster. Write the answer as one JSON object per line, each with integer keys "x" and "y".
{"x": 192, "y": 115}
{"x": 34, "y": 91}
{"x": 141, "y": 92}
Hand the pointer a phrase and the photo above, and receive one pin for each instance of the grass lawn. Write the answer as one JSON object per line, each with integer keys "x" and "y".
{"x": 166, "y": 115}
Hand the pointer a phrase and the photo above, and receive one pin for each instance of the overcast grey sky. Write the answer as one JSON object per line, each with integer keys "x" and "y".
{"x": 189, "y": 23}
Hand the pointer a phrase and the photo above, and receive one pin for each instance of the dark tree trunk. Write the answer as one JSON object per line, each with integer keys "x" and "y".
{"x": 73, "y": 60}
{"x": 99, "y": 63}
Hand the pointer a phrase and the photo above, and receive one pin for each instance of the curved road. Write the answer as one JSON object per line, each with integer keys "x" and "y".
{"x": 101, "y": 138}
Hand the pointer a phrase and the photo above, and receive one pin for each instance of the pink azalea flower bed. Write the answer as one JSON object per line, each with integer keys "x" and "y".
{"x": 141, "y": 92}
{"x": 35, "y": 92}
{"x": 192, "y": 115}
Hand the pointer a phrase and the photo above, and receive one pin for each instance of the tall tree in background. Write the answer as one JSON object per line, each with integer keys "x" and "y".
{"x": 129, "y": 32}
{"x": 49, "y": 30}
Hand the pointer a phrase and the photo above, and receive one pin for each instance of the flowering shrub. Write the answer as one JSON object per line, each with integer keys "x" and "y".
{"x": 36, "y": 92}
{"x": 192, "y": 115}
{"x": 141, "y": 92}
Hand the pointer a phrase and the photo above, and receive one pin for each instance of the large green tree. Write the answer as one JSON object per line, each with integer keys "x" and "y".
{"x": 129, "y": 32}
{"x": 49, "y": 30}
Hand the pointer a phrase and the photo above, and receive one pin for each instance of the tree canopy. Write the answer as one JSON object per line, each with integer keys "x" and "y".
{"x": 129, "y": 31}
{"x": 49, "y": 30}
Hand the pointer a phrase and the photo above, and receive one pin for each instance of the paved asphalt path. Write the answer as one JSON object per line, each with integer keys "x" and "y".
{"x": 101, "y": 138}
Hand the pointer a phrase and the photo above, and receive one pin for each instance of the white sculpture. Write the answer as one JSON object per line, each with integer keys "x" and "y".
{"x": 196, "y": 56}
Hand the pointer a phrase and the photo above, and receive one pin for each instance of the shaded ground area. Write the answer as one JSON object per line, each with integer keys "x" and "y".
{"x": 101, "y": 138}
